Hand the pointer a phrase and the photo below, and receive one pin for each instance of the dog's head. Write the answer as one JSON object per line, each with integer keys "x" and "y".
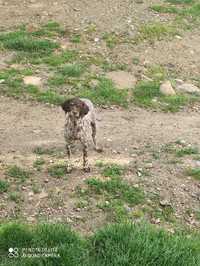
{"x": 75, "y": 107}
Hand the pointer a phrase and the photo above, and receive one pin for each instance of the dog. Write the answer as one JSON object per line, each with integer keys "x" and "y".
{"x": 80, "y": 120}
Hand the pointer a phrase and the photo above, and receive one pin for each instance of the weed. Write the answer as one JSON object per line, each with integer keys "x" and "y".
{"x": 117, "y": 189}
{"x": 72, "y": 70}
{"x": 76, "y": 38}
{"x": 57, "y": 171}
{"x": 105, "y": 93}
{"x": 15, "y": 196}
{"x": 193, "y": 172}
{"x": 165, "y": 9}
{"x": 38, "y": 163}
{"x": 18, "y": 173}
{"x": 187, "y": 151}
{"x": 111, "y": 39}
{"x": 21, "y": 41}
{"x": 155, "y": 31}
{"x": 4, "y": 185}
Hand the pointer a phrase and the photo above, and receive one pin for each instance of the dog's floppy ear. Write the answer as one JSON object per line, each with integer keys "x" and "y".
{"x": 66, "y": 106}
{"x": 84, "y": 109}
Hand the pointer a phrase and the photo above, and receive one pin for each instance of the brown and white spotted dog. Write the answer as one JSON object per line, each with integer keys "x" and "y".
{"x": 80, "y": 118}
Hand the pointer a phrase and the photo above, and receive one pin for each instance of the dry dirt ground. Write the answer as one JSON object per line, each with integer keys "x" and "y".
{"x": 134, "y": 137}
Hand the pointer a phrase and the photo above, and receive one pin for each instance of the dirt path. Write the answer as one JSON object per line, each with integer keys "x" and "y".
{"x": 25, "y": 126}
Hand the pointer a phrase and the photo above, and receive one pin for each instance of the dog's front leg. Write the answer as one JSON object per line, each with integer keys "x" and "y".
{"x": 69, "y": 166}
{"x": 86, "y": 167}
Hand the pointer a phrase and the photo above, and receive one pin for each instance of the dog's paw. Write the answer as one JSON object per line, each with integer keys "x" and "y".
{"x": 86, "y": 169}
{"x": 69, "y": 169}
{"x": 99, "y": 149}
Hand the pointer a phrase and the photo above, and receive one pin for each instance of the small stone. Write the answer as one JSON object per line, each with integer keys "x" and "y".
{"x": 2, "y": 81}
{"x": 122, "y": 79}
{"x": 93, "y": 83}
{"x": 31, "y": 80}
{"x": 188, "y": 88}
{"x": 31, "y": 194}
{"x": 31, "y": 219}
{"x": 43, "y": 195}
{"x": 165, "y": 203}
{"x": 167, "y": 89}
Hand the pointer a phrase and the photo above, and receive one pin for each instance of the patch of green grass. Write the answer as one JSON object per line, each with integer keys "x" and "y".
{"x": 4, "y": 185}
{"x": 59, "y": 59}
{"x": 72, "y": 70}
{"x": 51, "y": 29}
{"x": 38, "y": 163}
{"x": 105, "y": 93}
{"x": 15, "y": 196}
{"x": 155, "y": 31}
{"x": 76, "y": 38}
{"x": 18, "y": 173}
{"x": 165, "y": 9}
{"x": 157, "y": 73}
{"x": 45, "y": 151}
{"x": 111, "y": 39}
{"x": 193, "y": 172}
{"x": 106, "y": 66}
{"x": 175, "y": 103}
{"x": 117, "y": 189}
{"x": 115, "y": 210}
{"x": 57, "y": 171}
{"x": 178, "y": 2}
{"x": 147, "y": 94}
{"x": 21, "y": 41}
{"x": 113, "y": 170}
{"x": 117, "y": 244}
{"x": 187, "y": 151}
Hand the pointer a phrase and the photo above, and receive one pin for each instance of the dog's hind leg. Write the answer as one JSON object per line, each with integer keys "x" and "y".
{"x": 69, "y": 166}
{"x": 94, "y": 131}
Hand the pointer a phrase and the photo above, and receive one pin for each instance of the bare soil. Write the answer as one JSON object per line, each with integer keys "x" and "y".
{"x": 129, "y": 137}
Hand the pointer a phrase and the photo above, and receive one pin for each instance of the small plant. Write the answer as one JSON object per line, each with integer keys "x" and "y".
{"x": 105, "y": 93}
{"x": 194, "y": 172}
{"x": 76, "y": 38}
{"x": 113, "y": 170}
{"x": 117, "y": 189}
{"x": 155, "y": 31}
{"x": 57, "y": 171}
{"x": 38, "y": 163}
{"x": 18, "y": 173}
{"x": 4, "y": 185}
{"x": 15, "y": 196}
{"x": 111, "y": 39}
{"x": 72, "y": 70}
{"x": 187, "y": 151}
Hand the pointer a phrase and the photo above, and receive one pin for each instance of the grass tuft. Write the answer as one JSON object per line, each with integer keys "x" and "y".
{"x": 117, "y": 189}
{"x": 57, "y": 171}
{"x": 187, "y": 151}
{"x": 194, "y": 172}
{"x": 18, "y": 173}
{"x": 4, "y": 185}
{"x": 105, "y": 93}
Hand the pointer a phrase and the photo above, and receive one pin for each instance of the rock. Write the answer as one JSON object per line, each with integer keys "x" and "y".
{"x": 31, "y": 80}
{"x": 43, "y": 195}
{"x": 93, "y": 83}
{"x": 2, "y": 81}
{"x": 165, "y": 203}
{"x": 167, "y": 89}
{"x": 122, "y": 79}
{"x": 188, "y": 88}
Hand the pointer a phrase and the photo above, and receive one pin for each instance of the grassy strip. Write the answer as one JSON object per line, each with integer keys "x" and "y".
{"x": 117, "y": 244}
{"x": 147, "y": 94}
